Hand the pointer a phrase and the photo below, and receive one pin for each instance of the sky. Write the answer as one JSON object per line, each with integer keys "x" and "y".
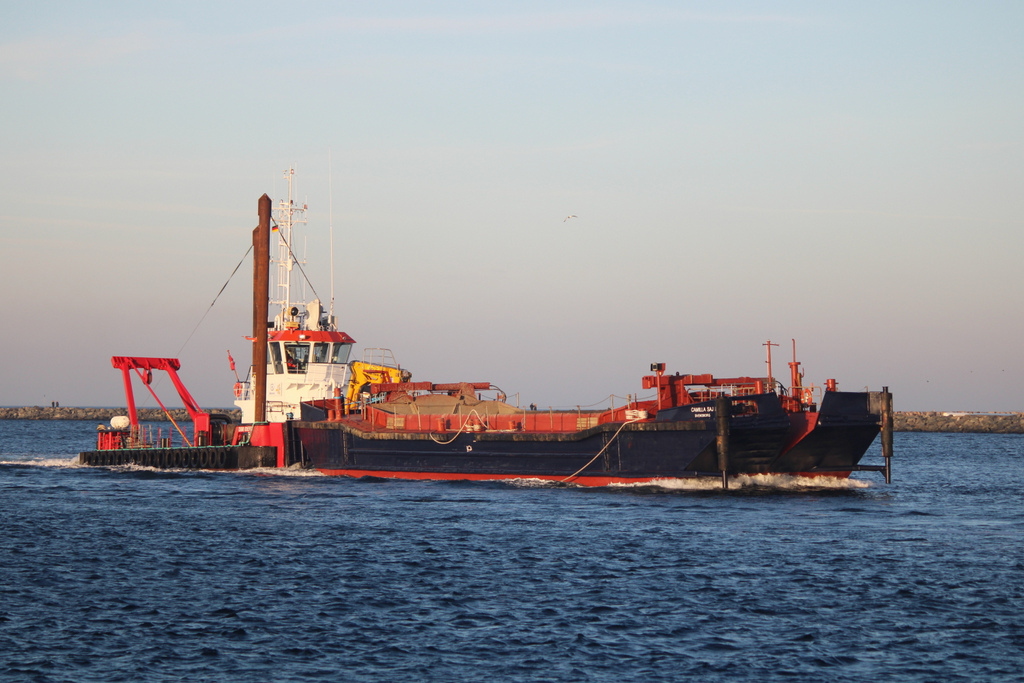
{"x": 846, "y": 175}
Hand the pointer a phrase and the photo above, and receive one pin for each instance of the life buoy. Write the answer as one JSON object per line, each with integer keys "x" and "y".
{"x": 238, "y": 390}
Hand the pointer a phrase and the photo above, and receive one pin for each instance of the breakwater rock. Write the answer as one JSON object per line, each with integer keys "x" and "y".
{"x": 978, "y": 423}
{"x": 104, "y": 414}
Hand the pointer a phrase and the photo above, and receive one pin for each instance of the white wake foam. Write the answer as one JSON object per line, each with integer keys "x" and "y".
{"x": 72, "y": 463}
{"x": 773, "y": 481}
{"x": 279, "y": 472}
{"x": 60, "y": 461}
{"x": 770, "y": 481}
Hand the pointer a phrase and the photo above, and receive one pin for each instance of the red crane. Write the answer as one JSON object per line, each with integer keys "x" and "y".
{"x": 144, "y": 368}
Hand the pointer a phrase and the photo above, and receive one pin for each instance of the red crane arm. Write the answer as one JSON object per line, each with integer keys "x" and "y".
{"x": 144, "y": 367}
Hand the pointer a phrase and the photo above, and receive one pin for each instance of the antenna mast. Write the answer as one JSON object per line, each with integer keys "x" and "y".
{"x": 330, "y": 224}
{"x": 288, "y": 215}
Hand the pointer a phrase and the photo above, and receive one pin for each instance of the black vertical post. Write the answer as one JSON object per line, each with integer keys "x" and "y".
{"x": 723, "y": 408}
{"x": 260, "y": 302}
{"x": 887, "y": 433}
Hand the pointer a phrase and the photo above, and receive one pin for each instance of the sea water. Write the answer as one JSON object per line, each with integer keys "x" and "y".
{"x": 136, "y": 574}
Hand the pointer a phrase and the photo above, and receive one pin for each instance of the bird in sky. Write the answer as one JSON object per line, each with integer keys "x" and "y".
{"x": 568, "y": 217}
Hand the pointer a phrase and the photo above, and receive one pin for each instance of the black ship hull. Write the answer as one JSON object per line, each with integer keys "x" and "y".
{"x": 764, "y": 442}
{"x": 760, "y": 438}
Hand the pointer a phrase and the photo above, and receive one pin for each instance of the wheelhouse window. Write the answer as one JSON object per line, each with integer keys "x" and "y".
{"x": 275, "y": 357}
{"x": 339, "y": 352}
{"x": 321, "y": 350}
{"x": 296, "y": 357}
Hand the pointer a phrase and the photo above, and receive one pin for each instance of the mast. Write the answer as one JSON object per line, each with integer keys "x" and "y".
{"x": 330, "y": 225}
{"x": 288, "y": 215}
{"x": 771, "y": 378}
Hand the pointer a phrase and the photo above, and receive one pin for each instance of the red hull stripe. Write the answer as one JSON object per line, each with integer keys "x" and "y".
{"x": 584, "y": 481}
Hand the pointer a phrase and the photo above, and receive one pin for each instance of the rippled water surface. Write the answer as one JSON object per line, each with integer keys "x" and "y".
{"x": 137, "y": 574}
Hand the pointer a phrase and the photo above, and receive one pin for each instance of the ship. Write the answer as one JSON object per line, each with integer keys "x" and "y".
{"x": 306, "y": 403}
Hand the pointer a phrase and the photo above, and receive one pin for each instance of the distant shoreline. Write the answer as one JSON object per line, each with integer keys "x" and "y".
{"x": 952, "y": 422}
{"x": 959, "y": 422}
{"x": 104, "y": 414}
